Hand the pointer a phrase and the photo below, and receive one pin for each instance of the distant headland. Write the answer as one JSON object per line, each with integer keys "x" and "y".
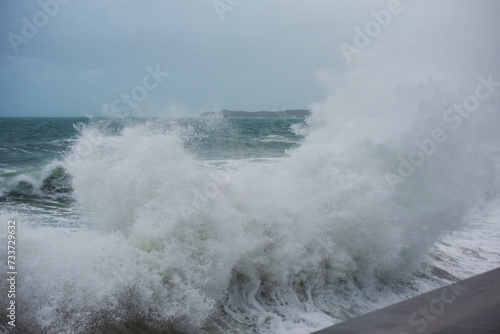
{"x": 244, "y": 114}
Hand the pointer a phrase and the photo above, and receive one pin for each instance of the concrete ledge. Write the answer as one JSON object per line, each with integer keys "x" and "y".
{"x": 468, "y": 306}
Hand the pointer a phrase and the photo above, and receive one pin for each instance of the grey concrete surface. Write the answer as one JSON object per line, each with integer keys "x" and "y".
{"x": 468, "y": 306}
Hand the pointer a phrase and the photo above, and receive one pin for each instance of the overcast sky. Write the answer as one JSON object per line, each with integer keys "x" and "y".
{"x": 77, "y": 57}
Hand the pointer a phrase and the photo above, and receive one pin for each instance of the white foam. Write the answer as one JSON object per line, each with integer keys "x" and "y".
{"x": 286, "y": 246}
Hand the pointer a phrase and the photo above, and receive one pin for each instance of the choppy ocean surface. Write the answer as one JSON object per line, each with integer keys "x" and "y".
{"x": 251, "y": 225}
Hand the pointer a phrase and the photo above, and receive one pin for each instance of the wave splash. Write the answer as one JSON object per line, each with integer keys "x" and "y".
{"x": 288, "y": 246}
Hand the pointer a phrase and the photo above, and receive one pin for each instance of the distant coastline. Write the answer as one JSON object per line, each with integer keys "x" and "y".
{"x": 244, "y": 114}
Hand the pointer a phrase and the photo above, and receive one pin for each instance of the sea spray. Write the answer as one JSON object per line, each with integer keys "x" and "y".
{"x": 290, "y": 245}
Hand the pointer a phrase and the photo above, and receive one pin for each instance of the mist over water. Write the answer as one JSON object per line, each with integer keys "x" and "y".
{"x": 353, "y": 218}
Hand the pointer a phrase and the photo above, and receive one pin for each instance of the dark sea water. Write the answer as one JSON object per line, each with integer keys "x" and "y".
{"x": 231, "y": 225}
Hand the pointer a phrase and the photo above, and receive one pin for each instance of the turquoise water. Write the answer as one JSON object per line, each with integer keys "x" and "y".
{"x": 32, "y": 149}
{"x": 33, "y": 142}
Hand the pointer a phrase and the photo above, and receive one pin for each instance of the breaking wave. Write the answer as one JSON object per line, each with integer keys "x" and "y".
{"x": 338, "y": 227}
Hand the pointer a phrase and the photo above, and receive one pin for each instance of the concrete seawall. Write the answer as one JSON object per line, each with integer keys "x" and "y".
{"x": 468, "y": 306}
